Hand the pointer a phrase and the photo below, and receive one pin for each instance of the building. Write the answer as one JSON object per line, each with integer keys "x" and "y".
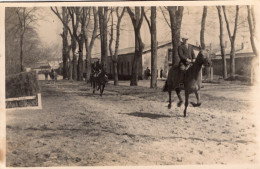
{"x": 243, "y": 60}
{"x": 126, "y": 56}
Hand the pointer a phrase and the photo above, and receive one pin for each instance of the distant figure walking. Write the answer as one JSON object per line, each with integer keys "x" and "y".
{"x": 147, "y": 72}
{"x": 53, "y": 75}
{"x": 46, "y": 74}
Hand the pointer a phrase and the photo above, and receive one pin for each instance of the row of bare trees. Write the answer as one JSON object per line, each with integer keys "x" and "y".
{"x": 23, "y": 47}
{"x": 83, "y": 25}
{"x": 83, "y": 22}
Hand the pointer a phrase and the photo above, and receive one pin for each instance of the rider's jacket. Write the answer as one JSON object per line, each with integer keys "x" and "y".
{"x": 185, "y": 53}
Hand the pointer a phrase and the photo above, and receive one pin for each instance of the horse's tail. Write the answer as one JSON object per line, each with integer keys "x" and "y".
{"x": 165, "y": 87}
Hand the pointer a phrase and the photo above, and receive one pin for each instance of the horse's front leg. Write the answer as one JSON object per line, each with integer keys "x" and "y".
{"x": 178, "y": 91}
{"x": 102, "y": 90}
{"x": 186, "y": 103}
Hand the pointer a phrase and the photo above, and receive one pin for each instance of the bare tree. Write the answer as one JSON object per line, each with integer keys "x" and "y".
{"x": 114, "y": 56}
{"x": 176, "y": 13}
{"x": 65, "y": 45}
{"x": 222, "y": 46}
{"x": 26, "y": 17}
{"x": 137, "y": 20}
{"x": 89, "y": 44}
{"x": 202, "y": 30}
{"x": 232, "y": 39}
{"x": 75, "y": 13}
{"x": 103, "y": 13}
{"x": 73, "y": 38}
{"x": 152, "y": 28}
{"x": 252, "y": 23}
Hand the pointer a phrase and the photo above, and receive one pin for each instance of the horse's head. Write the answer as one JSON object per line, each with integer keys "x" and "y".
{"x": 204, "y": 57}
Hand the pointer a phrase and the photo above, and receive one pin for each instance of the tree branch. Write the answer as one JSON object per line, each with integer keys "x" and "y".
{"x": 165, "y": 17}
{"x": 227, "y": 23}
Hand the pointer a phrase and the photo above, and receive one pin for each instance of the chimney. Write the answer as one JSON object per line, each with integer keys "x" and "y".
{"x": 210, "y": 46}
{"x": 242, "y": 45}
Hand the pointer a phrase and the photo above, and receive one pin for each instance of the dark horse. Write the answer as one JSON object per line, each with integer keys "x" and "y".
{"x": 192, "y": 80}
{"x": 99, "y": 81}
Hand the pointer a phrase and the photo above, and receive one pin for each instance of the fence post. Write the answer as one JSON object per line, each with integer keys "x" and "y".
{"x": 211, "y": 73}
{"x": 39, "y": 100}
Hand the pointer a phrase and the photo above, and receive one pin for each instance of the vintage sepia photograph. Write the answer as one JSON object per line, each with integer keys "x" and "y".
{"x": 130, "y": 84}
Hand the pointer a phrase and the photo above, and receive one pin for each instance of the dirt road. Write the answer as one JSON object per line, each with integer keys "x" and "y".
{"x": 132, "y": 126}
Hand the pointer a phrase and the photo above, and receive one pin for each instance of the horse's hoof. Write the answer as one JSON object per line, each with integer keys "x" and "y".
{"x": 179, "y": 103}
{"x": 195, "y": 104}
{"x": 169, "y": 106}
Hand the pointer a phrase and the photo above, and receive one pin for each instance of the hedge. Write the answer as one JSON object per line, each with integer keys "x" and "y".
{"x": 22, "y": 84}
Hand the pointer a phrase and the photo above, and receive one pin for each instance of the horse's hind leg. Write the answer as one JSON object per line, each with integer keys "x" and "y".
{"x": 186, "y": 102}
{"x": 178, "y": 91}
{"x": 170, "y": 99}
{"x": 94, "y": 87}
{"x": 198, "y": 99}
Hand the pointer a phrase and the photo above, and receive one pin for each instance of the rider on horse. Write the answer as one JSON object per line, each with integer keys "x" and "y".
{"x": 97, "y": 68}
{"x": 186, "y": 55}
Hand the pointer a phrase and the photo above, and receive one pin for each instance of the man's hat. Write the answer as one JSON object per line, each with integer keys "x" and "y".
{"x": 185, "y": 37}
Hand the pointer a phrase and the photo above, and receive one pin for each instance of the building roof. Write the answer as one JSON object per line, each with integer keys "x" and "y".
{"x": 147, "y": 48}
{"x": 243, "y": 48}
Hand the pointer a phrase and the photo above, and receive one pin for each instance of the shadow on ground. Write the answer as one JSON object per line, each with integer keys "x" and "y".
{"x": 148, "y": 115}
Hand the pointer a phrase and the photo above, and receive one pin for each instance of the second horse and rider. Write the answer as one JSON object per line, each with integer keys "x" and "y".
{"x": 98, "y": 77}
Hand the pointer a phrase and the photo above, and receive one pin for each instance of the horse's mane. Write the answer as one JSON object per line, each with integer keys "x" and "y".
{"x": 197, "y": 64}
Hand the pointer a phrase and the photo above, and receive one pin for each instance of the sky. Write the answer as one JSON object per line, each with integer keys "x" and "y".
{"x": 50, "y": 27}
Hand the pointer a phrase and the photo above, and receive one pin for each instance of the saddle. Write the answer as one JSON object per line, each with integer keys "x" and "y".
{"x": 182, "y": 73}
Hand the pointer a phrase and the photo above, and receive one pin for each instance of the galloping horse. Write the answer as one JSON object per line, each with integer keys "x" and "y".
{"x": 191, "y": 80}
{"x": 100, "y": 81}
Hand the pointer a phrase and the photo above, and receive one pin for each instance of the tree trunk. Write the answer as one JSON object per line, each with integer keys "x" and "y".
{"x": 65, "y": 45}
{"x": 21, "y": 51}
{"x": 137, "y": 20}
{"x": 88, "y": 60}
{"x": 222, "y": 44}
{"x": 115, "y": 73}
{"x": 251, "y": 23}
{"x": 153, "y": 83}
{"x": 74, "y": 60}
{"x": 70, "y": 69}
{"x": 232, "y": 60}
{"x": 64, "y": 55}
{"x": 202, "y": 31}
{"x": 232, "y": 40}
{"x": 102, "y": 11}
{"x": 104, "y": 53}
{"x": 176, "y": 14}
{"x": 80, "y": 60}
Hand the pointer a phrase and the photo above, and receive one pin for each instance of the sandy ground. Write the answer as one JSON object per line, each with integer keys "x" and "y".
{"x": 132, "y": 126}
